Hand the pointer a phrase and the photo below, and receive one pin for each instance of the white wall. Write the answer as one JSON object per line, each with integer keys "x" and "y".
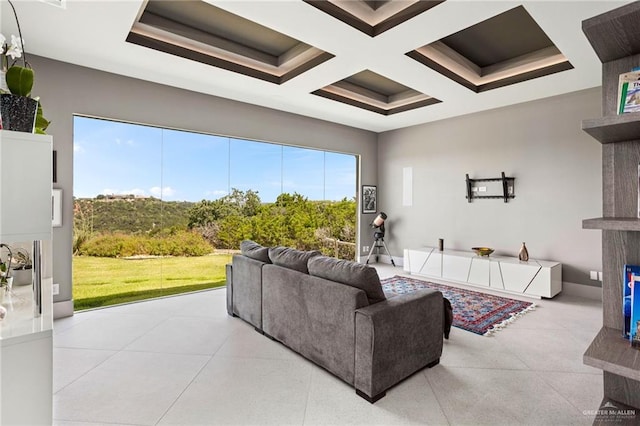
{"x": 558, "y": 182}
{"x": 67, "y": 89}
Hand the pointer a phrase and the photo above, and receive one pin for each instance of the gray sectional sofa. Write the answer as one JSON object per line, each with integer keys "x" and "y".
{"x": 334, "y": 313}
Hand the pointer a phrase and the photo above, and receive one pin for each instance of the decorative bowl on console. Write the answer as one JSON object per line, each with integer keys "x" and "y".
{"x": 482, "y": 251}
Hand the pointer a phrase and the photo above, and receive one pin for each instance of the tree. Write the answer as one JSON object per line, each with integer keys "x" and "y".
{"x": 245, "y": 203}
{"x": 238, "y": 203}
{"x": 292, "y": 220}
{"x": 203, "y": 214}
{"x": 82, "y": 224}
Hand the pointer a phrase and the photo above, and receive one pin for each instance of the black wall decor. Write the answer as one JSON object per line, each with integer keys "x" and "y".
{"x": 55, "y": 166}
{"x": 508, "y": 188}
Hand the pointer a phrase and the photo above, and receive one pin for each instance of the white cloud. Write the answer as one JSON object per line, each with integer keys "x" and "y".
{"x": 277, "y": 183}
{"x": 217, "y": 193}
{"x": 129, "y": 142}
{"x": 78, "y": 148}
{"x": 167, "y": 191}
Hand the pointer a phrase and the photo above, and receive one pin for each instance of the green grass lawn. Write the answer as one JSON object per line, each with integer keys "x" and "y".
{"x": 100, "y": 281}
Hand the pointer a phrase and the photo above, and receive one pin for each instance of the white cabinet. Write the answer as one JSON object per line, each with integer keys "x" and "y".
{"x": 28, "y": 364}
{"x": 454, "y": 268}
{"x": 479, "y": 272}
{"x": 25, "y": 186}
{"x": 536, "y": 278}
{"x": 26, "y": 342}
{"x": 26, "y": 358}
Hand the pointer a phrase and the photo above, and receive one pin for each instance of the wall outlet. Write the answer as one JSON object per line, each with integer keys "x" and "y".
{"x": 365, "y": 249}
{"x": 593, "y": 275}
{"x": 55, "y": 289}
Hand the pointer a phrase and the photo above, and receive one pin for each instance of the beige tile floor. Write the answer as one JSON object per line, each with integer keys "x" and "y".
{"x": 183, "y": 361}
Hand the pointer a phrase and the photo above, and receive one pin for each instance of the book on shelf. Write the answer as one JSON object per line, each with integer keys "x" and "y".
{"x": 627, "y": 279}
{"x": 629, "y": 92}
{"x": 634, "y": 332}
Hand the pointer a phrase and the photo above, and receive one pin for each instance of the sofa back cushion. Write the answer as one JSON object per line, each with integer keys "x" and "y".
{"x": 291, "y": 258}
{"x": 350, "y": 273}
{"x": 255, "y": 251}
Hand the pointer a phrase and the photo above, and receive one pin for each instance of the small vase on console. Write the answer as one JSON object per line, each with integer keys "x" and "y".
{"x": 523, "y": 255}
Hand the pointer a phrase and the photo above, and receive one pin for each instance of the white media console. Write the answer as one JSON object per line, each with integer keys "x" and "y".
{"x": 534, "y": 278}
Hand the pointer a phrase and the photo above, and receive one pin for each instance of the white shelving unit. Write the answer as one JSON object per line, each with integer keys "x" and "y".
{"x": 26, "y": 343}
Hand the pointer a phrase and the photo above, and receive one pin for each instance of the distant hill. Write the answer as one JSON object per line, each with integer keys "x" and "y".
{"x": 131, "y": 215}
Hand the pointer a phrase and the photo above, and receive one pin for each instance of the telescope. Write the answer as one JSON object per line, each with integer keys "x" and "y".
{"x": 378, "y": 237}
{"x": 378, "y": 224}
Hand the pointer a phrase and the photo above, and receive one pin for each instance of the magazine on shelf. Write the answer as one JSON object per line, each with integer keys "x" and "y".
{"x": 627, "y": 279}
{"x": 634, "y": 334}
{"x": 629, "y": 92}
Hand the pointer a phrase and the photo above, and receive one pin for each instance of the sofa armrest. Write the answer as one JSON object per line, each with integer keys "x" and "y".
{"x": 395, "y": 338}
{"x": 229, "y": 272}
{"x": 246, "y": 294}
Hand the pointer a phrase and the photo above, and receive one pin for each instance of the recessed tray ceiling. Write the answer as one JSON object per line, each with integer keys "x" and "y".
{"x": 201, "y": 32}
{"x": 255, "y": 51}
{"x": 373, "y": 17}
{"x": 376, "y": 93}
{"x": 505, "y": 49}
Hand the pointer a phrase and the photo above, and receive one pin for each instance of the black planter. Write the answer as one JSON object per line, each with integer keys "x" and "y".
{"x": 18, "y": 112}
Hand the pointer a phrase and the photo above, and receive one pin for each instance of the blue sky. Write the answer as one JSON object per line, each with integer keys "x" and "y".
{"x": 120, "y": 158}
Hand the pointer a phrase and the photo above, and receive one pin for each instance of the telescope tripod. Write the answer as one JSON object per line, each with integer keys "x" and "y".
{"x": 378, "y": 244}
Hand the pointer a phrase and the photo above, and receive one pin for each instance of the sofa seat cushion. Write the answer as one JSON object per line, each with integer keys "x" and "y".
{"x": 291, "y": 258}
{"x": 255, "y": 251}
{"x": 350, "y": 273}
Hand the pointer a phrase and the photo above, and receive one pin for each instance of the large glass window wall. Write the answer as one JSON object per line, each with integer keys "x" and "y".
{"x": 159, "y": 211}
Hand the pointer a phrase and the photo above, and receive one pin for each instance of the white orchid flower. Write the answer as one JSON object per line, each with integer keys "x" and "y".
{"x": 15, "y": 49}
{"x": 2, "y": 40}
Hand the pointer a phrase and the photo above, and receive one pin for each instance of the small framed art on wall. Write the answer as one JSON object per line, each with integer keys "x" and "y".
{"x": 369, "y": 199}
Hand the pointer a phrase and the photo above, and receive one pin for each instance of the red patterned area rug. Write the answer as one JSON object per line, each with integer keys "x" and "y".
{"x": 479, "y": 313}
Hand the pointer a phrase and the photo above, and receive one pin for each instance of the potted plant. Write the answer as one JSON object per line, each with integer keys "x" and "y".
{"x": 21, "y": 267}
{"x": 19, "y": 111}
{"x": 6, "y": 280}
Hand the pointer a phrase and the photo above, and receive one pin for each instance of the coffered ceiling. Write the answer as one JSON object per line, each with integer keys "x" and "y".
{"x": 372, "y": 64}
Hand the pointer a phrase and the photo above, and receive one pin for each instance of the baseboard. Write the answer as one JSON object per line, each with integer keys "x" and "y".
{"x": 581, "y": 290}
{"x": 62, "y": 309}
{"x": 383, "y": 258}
